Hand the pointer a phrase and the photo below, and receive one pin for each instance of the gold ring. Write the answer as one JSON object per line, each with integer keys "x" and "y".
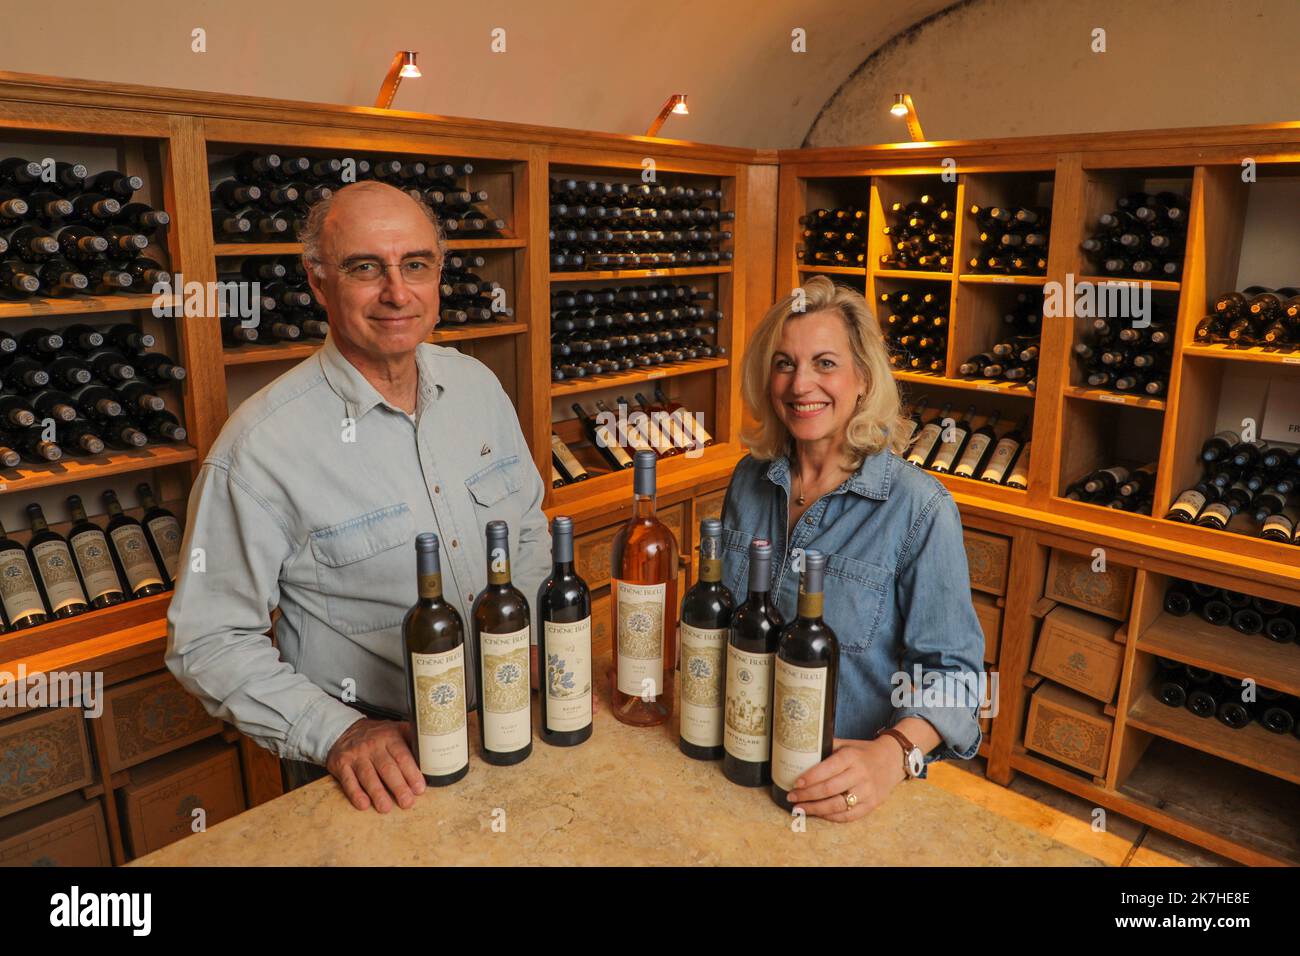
{"x": 850, "y": 799}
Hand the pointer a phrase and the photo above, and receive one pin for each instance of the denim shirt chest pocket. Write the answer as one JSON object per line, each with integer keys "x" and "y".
{"x": 491, "y": 485}
{"x": 858, "y": 596}
{"x": 363, "y": 569}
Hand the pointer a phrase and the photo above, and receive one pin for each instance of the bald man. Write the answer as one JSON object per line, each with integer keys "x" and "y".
{"x": 310, "y": 499}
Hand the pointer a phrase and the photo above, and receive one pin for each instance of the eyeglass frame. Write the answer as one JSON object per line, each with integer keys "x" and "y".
{"x": 342, "y": 267}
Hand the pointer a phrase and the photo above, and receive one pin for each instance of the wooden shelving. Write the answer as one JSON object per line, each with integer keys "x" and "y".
{"x": 915, "y": 275}
{"x": 1157, "y": 285}
{"x": 83, "y": 305}
{"x": 1113, "y": 398}
{"x": 28, "y": 476}
{"x": 594, "y": 383}
{"x": 669, "y": 273}
{"x": 1221, "y": 649}
{"x": 998, "y": 386}
{"x": 229, "y": 249}
{"x": 835, "y": 270}
{"x": 975, "y": 278}
{"x": 280, "y": 352}
{"x": 1254, "y": 353}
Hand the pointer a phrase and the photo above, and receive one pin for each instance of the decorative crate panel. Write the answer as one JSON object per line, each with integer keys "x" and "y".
{"x": 1069, "y": 727}
{"x": 987, "y": 556}
{"x": 158, "y": 804}
{"x": 67, "y": 831}
{"x": 42, "y": 755}
{"x": 1079, "y": 650}
{"x": 1071, "y": 580}
{"x": 152, "y": 716}
{"x": 990, "y": 618}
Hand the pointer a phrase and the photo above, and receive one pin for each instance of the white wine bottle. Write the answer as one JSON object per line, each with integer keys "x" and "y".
{"x": 502, "y": 645}
{"x": 706, "y": 618}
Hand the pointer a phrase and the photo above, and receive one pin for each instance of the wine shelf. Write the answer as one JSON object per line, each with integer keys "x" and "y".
{"x": 594, "y": 383}
{"x": 148, "y": 612}
{"x": 913, "y": 274}
{"x": 229, "y": 249}
{"x": 84, "y": 305}
{"x": 835, "y": 270}
{"x": 28, "y": 476}
{"x": 254, "y": 354}
{"x": 976, "y": 278}
{"x": 640, "y": 273}
{"x": 1194, "y": 641}
{"x": 667, "y": 471}
{"x": 1114, "y": 398}
{"x": 1252, "y": 746}
{"x": 999, "y": 386}
{"x": 1157, "y": 285}
{"x": 1254, "y": 353}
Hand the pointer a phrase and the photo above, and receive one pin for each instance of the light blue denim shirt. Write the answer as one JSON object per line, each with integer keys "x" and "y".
{"x": 897, "y": 589}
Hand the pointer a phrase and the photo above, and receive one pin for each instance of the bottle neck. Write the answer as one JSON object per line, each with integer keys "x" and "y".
{"x": 710, "y": 560}
{"x": 114, "y": 506}
{"x": 643, "y": 506}
{"x": 39, "y": 523}
{"x": 79, "y": 514}
{"x": 810, "y": 605}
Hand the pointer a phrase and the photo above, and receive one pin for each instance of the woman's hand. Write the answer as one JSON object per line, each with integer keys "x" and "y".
{"x": 868, "y": 768}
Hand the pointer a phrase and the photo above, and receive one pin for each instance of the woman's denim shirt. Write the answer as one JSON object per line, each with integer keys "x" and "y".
{"x": 897, "y": 590}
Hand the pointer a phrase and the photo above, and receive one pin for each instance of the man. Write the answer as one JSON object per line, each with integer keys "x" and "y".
{"x": 311, "y": 496}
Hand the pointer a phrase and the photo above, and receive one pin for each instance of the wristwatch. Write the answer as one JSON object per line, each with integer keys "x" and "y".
{"x": 913, "y": 759}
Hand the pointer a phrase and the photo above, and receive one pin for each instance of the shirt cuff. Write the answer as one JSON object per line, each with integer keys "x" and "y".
{"x": 958, "y": 728}
{"x": 317, "y": 730}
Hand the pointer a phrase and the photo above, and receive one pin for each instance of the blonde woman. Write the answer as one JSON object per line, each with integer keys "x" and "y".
{"x": 824, "y": 473}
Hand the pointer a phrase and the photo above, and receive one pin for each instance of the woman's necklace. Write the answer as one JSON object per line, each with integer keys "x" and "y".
{"x": 800, "y": 497}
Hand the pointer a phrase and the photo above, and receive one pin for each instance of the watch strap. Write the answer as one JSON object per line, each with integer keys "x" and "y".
{"x": 909, "y": 749}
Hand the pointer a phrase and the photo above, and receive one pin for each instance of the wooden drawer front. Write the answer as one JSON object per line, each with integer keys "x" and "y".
{"x": 990, "y": 617}
{"x": 1071, "y": 580}
{"x": 709, "y": 506}
{"x": 42, "y": 755}
{"x": 675, "y": 518}
{"x": 1069, "y": 727}
{"x": 988, "y": 556}
{"x": 601, "y": 644}
{"x": 152, "y": 716}
{"x": 57, "y": 834}
{"x": 158, "y": 804}
{"x": 592, "y": 552}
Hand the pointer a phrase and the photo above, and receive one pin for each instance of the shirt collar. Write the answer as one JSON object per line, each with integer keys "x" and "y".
{"x": 358, "y": 395}
{"x": 871, "y": 480}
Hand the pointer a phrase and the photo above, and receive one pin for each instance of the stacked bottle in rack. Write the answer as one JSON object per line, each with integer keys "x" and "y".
{"x": 610, "y": 225}
{"x": 619, "y": 329}
{"x": 1247, "y": 487}
{"x": 1130, "y": 359}
{"x": 834, "y": 237}
{"x": 1254, "y": 316}
{"x": 916, "y": 329}
{"x": 1243, "y": 613}
{"x": 1116, "y": 486}
{"x": 920, "y": 235}
{"x": 1143, "y": 237}
{"x": 81, "y": 389}
{"x": 958, "y": 446}
{"x": 1235, "y": 703}
{"x": 265, "y": 197}
{"x": 1015, "y": 357}
{"x": 66, "y": 232}
{"x": 660, "y": 425}
{"x": 1011, "y": 240}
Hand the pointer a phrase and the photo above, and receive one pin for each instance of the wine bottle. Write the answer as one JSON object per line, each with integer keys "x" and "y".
{"x": 643, "y": 587}
{"x": 94, "y": 559}
{"x": 979, "y": 449}
{"x": 954, "y": 443}
{"x": 56, "y": 574}
{"x": 566, "y": 463}
{"x": 927, "y": 440}
{"x": 751, "y": 652}
{"x": 564, "y": 645}
{"x": 706, "y": 620}
{"x": 162, "y": 531}
{"x": 23, "y": 605}
{"x": 1005, "y": 453}
{"x": 501, "y": 646}
{"x": 804, "y": 686}
{"x": 434, "y": 640}
{"x": 603, "y": 439}
{"x": 130, "y": 549}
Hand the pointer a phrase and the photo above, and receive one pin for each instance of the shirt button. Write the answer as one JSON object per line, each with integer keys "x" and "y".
{"x": 437, "y": 489}
{"x": 807, "y": 521}
{"x": 455, "y": 543}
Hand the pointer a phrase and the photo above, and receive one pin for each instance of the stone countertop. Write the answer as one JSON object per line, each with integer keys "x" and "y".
{"x": 626, "y": 795}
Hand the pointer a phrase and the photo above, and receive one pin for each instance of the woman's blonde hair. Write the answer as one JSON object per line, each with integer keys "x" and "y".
{"x": 875, "y": 425}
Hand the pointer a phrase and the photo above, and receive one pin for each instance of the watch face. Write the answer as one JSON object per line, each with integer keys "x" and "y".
{"x": 915, "y": 761}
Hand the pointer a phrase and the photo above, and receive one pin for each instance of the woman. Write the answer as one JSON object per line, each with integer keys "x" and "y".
{"x": 823, "y": 473}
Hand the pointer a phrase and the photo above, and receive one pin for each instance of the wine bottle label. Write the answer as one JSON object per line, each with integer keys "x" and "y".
{"x": 1189, "y": 503}
{"x": 799, "y": 716}
{"x": 908, "y": 429}
{"x": 1278, "y": 524}
{"x": 58, "y": 574}
{"x": 970, "y": 459}
{"x": 566, "y": 457}
{"x": 430, "y": 586}
{"x": 924, "y": 443}
{"x": 133, "y": 551}
{"x": 568, "y": 675}
{"x": 1216, "y": 515}
{"x": 91, "y": 551}
{"x": 1001, "y": 458}
{"x": 607, "y": 441}
{"x": 18, "y": 586}
{"x": 747, "y": 733}
{"x": 948, "y": 451}
{"x": 810, "y": 605}
{"x": 1019, "y": 477}
{"x": 507, "y": 723}
{"x": 440, "y": 724}
{"x": 166, "y": 532}
{"x": 640, "y": 625}
{"x": 701, "y": 678}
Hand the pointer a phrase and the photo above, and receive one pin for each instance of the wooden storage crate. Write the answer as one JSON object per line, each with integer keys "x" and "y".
{"x": 158, "y": 805}
{"x": 67, "y": 831}
{"x": 42, "y": 755}
{"x": 1071, "y": 580}
{"x": 988, "y": 556}
{"x": 989, "y": 611}
{"x": 149, "y": 717}
{"x": 1079, "y": 650}
{"x": 1069, "y": 727}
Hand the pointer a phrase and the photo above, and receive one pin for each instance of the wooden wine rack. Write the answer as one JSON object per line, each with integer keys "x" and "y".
{"x": 169, "y": 136}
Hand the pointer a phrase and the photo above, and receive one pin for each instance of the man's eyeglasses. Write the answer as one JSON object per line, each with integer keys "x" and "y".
{"x": 417, "y": 270}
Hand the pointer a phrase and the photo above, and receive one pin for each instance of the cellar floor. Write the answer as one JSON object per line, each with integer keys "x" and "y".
{"x": 1065, "y": 817}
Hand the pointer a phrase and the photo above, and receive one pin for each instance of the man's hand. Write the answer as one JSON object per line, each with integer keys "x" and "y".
{"x": 373, "y": 763}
